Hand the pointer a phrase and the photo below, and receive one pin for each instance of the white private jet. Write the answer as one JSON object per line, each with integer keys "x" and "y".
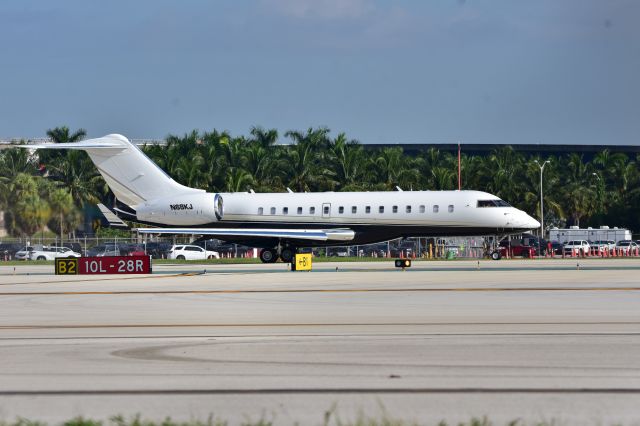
{"x": 279, "y": 223}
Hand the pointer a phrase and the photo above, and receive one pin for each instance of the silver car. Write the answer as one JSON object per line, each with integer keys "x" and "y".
{"x": 23, "y": 254}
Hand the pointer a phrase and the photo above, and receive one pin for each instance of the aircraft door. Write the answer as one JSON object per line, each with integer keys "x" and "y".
{"x": 326, "y": 210}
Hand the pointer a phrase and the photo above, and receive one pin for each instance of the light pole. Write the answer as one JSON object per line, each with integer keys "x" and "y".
{"x": 600, "y": 194}
{"x": 541, "y": 201}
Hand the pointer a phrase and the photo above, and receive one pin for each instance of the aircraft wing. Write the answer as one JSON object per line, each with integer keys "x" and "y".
{"x": 341, "y": 234}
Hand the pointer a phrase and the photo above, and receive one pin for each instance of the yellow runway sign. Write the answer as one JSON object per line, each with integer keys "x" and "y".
{"x": 66, "y": 266}
{"x": 301, "y": 262}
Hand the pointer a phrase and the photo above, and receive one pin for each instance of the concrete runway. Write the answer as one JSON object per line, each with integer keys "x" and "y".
{"x": 534, "y": 340}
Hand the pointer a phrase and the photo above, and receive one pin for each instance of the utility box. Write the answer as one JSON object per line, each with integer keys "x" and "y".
{"x": 604, "y": 233}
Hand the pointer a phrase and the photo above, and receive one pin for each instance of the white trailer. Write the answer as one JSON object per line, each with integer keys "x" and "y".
{"x": 604, "y": 233}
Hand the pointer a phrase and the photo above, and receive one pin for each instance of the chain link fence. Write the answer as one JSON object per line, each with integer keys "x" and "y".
{"x": 430, "y": 248}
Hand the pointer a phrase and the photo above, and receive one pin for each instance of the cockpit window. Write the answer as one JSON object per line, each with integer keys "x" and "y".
{"x": 493, "y": 203}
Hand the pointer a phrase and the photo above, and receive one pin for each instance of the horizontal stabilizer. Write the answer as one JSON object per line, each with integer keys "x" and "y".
{"x": 297, "y": 234}
{"x": 132, "y": 177}
{"x": 82, "y": 145}
{"x": 113, "y": 220}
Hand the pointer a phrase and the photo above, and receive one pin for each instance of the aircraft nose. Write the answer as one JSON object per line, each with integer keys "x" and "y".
{"x": 530, "y": 222}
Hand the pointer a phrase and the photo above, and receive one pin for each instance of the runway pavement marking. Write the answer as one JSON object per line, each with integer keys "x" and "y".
{"x": 324, "y": 335}
{"x": 270, "y": 391}
{"x": 109, "y": 278}
{"x": 265, "y": 325}
{"x": 311, "y": 290}
{"x": 569, "y": 266}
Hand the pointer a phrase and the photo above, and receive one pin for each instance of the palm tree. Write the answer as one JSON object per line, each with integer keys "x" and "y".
{"x": 238, "y": 180}
{"x": 14, "y": 161}
{"x": 31, "y": 214}
{"x": 579, "y": 193}
{"x": 306, "y": 171}
{"x": 79, "y": 177}
{"x": 63, "y": 134}
{"x": 394, "y": 169}
{"x": 59, "y": 135}
{"x": 350, "y": 163}
{"x": 62, "y": 209}
{"x": 264, "y": 138}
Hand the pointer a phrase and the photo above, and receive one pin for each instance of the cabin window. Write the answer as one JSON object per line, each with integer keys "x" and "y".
{"x": 367, "y": 209}
{"x": 341, "y": 209}
{"x": 325, "y": 209}
{"x": 354, "y": 209}
{"x": 381, "y": 209}
{"x": 394, "y": 209}
{"x": 422, "y": 209}
{"x": 299, "y": 210}
{"x": 285, "y": 210}
{"x": 273, "y": 210}
{"x": 312, "y": 210}
{"x": 436, "y": 208}
{"x": 260, "y": 211}
{"x": 450, "y": 208}
{"x": 408, "y": 209}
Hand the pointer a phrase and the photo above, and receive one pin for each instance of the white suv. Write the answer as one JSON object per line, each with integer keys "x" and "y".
{"x": 577, "y": 247}
{"x": 626, "y": 246}
{"x": 188, "y": 252}
{"x": 50, "y": 253}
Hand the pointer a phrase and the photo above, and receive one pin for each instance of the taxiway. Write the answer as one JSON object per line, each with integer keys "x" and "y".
{"x": 534, "y": 340}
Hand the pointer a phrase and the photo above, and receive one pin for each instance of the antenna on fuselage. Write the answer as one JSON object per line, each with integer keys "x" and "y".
{"x": 289, "y": 190}
{"x": 399, "y": 189}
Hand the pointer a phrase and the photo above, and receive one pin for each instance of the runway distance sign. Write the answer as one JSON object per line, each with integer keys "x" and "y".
{"x": 103, "y": 265}
{"x": 301, "y": 262}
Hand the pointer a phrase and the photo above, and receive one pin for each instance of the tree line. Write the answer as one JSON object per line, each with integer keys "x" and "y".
{"x": 50, "y": 188}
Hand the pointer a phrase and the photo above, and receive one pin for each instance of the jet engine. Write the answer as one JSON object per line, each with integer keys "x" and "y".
{"x": 198, "y": 208}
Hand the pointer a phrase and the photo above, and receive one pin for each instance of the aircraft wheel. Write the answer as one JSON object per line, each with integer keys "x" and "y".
{"x": 268, "y": 256}
{"x": 287, "y": 254}
{"x": 496, "y": 255}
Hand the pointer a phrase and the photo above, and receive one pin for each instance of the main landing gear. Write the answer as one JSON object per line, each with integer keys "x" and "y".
{"x": 286, "y": 254}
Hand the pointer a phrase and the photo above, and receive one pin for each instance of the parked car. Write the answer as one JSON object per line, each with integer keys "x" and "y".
{"x": 557, "y": 247}
{"x": 108, "y": 249}
{"x": 626, "y": 245}
{"x": 210, "y": 243}
{"x": 50, "y": 253}
{"x": 9, "y": 250}
{"x": 158, "y": 250}
{"x": 339, "y": 252}
{"x": 73, "y": 246}
{"x": 576, "y": 246}
{"x": 603, "y": 244}
{"x": 230, "y": 250}
{"x": 191, "y": 252}
{"x": 132, "y": 250}
{"x": 23, "y": 254}
{"x": 516, "y": 249}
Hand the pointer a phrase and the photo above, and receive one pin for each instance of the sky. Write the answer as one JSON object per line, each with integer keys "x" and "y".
{"x": 405, "y": 71}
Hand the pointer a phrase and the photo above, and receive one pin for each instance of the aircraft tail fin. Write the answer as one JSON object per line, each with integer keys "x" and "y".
{"x": 130, "y": 174}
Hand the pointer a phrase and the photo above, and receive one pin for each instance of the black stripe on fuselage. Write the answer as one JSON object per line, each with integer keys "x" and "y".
{"x": 364, "y": 233}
